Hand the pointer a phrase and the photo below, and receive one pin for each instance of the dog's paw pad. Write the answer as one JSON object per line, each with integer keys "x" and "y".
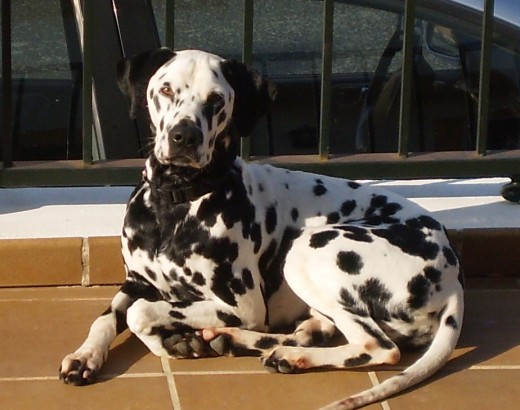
{"x": 76, "y": 372}
{"x": 274, "y": 364}
{"x": 221, "y": 344}
{"x": 187, "y": 346}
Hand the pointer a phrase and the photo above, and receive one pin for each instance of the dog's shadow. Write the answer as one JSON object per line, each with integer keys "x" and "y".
{"x": 490, "y": 330}
{"x": 490, "y": 333}
{"x": 127, "y": 355}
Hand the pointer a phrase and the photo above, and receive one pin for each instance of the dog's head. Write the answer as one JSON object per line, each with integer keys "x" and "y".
{"x": 196, "y": 101}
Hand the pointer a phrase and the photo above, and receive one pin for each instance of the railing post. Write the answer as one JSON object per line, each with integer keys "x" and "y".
{"x": 484, "y": 80}
{"x": 170, "y": 24}
{"x": 7, "y": 86}
{"x": 326, "y": 75}
{"x": 87, "y": 81}
{"x": 406, "y": 78}
{"x": 247, "y": 58}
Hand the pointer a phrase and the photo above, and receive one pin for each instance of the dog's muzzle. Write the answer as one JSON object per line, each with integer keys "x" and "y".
{"x": 184, "y": 135}
{"x": 181, "y": 144}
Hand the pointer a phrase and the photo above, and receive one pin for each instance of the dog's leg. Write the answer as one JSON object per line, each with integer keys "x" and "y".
{"x": 367, "y": 345}
{"x": 80, "y": 367}
{"x": 232, "y": 341}
{"x": 170, "y": 329}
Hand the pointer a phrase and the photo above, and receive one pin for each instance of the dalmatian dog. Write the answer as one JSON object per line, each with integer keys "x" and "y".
{"x": 221, "y": 254}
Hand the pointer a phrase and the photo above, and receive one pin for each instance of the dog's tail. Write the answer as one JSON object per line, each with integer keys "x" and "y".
{"x": 433, "y": 359}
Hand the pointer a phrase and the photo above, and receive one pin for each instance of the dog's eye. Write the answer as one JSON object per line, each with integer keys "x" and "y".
{"x": 216, "y": 101}
{"x": 166, "y": 91}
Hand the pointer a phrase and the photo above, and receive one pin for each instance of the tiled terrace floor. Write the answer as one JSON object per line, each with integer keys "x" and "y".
{"x": 39, "y": 326}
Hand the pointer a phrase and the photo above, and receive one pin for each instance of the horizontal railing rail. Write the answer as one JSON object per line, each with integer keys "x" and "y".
{"x": 401, "y": 164}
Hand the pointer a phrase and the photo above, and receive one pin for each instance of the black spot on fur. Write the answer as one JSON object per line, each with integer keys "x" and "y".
{"x": 355, "y": 233}
{"x": 266, "y": 342}
{"x": 151, "y": 274}
{"x": 238, "y": 286}
{"x": 256, "y": 236}
{"x": 376, "y": 297}
{"x": 419, "y": 288}
{"x": 198, "y": 279}
{"x": 321, "y": 239}
{"x": 270, "y": 219}
{"x": 294, "y": 214}
{"x": 450, "y": 256}
{"x": 347, "y": 207}
{"x": 353, "y": 185}
{"x": 137, "y": 287}
{"x": 451, "y": 322}
{"x": 332, "y": 218}
{"x": 351, "y": 304}
{"x": 410, "y": 240}
{"x": 223, "y": 275}
{"x": 247, "y": 278}
{"x": 176, "y": 314}
{"x": 182, "y": 290}
{"x": 229, "y": 319}
{"x": 350, "y": 262}
{"x": 377, "y": 334}
{"x": 143, "y": 221}
{"x": 357, "y": 361}
{"x": 424, "y": 221}
{"x": 221, "y": 118}
{"x": 319, "y": 190}
{"x": 433, "y": 275}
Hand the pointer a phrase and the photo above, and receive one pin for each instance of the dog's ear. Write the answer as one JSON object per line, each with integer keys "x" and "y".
{"x": 253, "y": 95}
{"x": 134, "y": 73}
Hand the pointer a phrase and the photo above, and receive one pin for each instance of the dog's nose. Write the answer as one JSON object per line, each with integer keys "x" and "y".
{"x": 185, "y": 134}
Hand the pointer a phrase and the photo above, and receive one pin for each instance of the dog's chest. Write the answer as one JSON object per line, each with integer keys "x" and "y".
{"x": 191, "y": 251}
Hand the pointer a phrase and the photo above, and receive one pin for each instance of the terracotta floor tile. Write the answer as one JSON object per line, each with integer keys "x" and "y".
{"x": 44, "y": 262}
{"x": 217, "y": 364}
{"x": 465, "y": 389}
{"x": 106, "y": 261}
{"x": 124, "y": 393}
{"x": 37, "y": 333}
{"x": 491, "y": 329}
{"x": 268, "y": 391}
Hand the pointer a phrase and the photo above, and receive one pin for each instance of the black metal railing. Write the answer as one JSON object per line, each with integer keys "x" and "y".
{"x": 401, "y": 164}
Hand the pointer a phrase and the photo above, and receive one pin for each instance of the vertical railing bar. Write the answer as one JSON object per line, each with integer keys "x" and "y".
{"x": 326, "y": 75}
{"x": 169, "y": 23}
{"x": 406, "y": 79}
{"x": 247, "y": 58}
{"x": 484, "y": 80}
{"x": 87, "y": 81}
{"x": 7, "y": 86}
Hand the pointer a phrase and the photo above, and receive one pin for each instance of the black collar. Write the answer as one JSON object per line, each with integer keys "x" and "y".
{"x": 191, "y": 191}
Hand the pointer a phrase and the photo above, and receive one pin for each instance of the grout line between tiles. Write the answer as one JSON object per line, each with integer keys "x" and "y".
{"x": 174, "y": 394}
{"x": 375, "y": 382}
{"x": 168, "y": 373}
{"x": 85, "y": 262}
{"x": 100, "y": 377}
{"x": 53, "y": 299}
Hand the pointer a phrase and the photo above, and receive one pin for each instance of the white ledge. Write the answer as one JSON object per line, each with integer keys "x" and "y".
{"x": 99, "y": 211}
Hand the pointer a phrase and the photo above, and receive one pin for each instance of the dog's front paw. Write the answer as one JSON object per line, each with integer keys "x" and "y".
{"x": 285, "y": 360}
{"x": 187, "y": 346}
{"x": 80, "y": 368}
